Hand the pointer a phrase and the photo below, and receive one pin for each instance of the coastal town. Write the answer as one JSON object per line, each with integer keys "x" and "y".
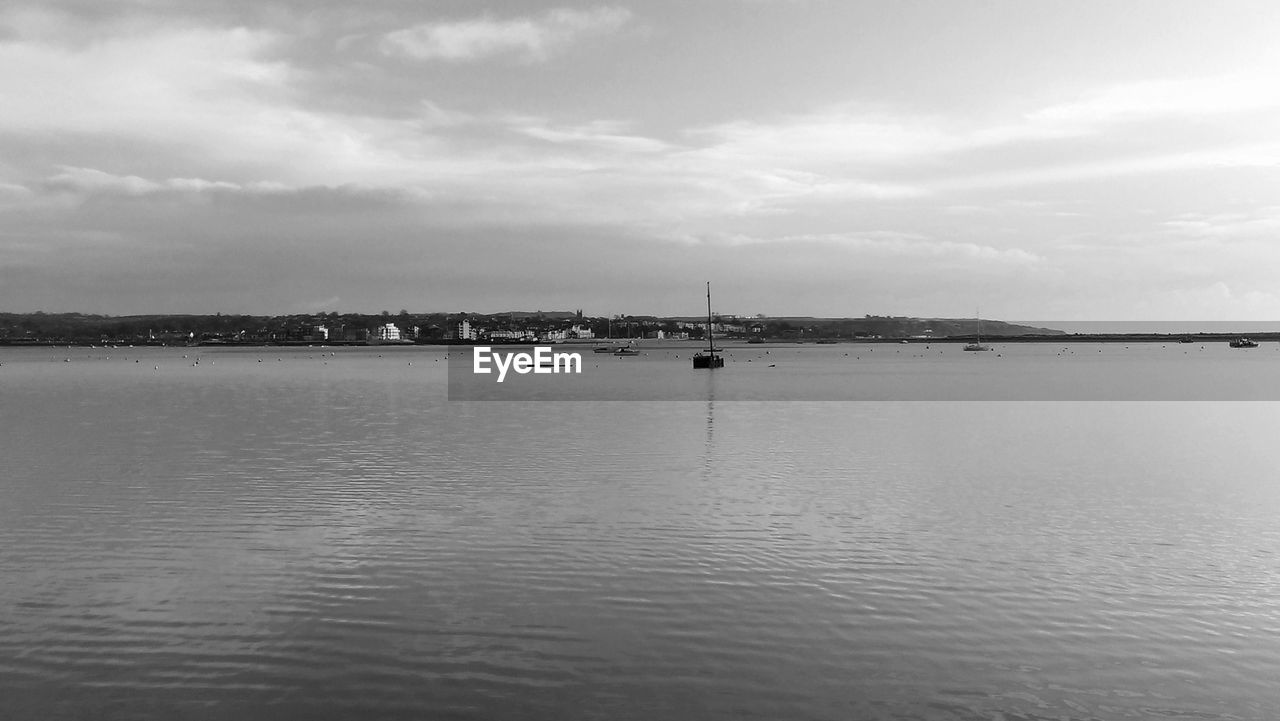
{"x": 405, "y": 327}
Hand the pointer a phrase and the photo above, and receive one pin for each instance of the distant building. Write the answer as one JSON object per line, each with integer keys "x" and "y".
{"x": 461, "y": 331}
{"x": 388, "y": 332}
{"x": 320, "y": 333}
{"x": 508, "y": 335}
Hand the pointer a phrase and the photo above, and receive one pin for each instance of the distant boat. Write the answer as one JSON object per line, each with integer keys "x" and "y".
{"x": 625, "y": 351}
{"x": 709, "y": 359}
{"x": 604, "y": 348}
{"x": 977, "y": 345}
{"x": 1186, "y": 339}
{"x": 1243, "y": 343}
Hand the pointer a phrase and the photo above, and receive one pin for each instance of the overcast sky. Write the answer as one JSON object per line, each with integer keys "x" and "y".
{"x": 1069, "y": 160}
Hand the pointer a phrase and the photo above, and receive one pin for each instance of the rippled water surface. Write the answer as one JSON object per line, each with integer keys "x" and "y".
{"x": 312, "y": 533}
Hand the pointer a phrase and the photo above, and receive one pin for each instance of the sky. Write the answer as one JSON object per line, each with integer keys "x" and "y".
{"x": 1016, "y": 158}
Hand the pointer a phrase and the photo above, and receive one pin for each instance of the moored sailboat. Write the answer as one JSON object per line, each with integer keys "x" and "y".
{"x": 604, "y": 347}
{"x": 977, "y": 344}
{"x": 709, "y": 358}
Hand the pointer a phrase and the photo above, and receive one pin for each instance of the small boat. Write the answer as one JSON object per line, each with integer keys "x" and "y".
{"x": 708, "y": 359}
{"x": 604, "y": 347}
{"x": 625, "y": 351}
{"x": 1243, "y": 343}
{"x": 977, "y": 345}
{"x": 1186, "y": 339}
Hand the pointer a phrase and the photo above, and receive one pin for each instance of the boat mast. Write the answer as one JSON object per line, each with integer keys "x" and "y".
{"x": 711, "y": 342}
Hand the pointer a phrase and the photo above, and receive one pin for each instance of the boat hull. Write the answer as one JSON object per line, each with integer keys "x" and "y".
{"x": 708, "y": 361}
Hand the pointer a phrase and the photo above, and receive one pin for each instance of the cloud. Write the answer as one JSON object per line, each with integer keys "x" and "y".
{"x": 225, "y": 109}
{"x": 603, "y": 134}
{"x": 91, "y": 182}
{"x": 1119, "y": 130}
{"x": 186, "y": 95}
{"x": 882, "y": 244}
{"x": 1169, "y": 97}
{"x": 1256, "y": 156}
{"x": 833, "y": 136}
{"x": 530, "y": 39}
{"x": 1258, "y": 224}
{"x": 262, "y": 140}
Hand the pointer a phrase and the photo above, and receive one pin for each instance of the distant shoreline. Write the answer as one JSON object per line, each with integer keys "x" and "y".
{"x": 1177, "y": 338}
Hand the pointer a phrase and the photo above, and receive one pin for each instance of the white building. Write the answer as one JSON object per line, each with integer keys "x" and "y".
{"x": 388, "y": 332}
{"x": 464, "y": 331}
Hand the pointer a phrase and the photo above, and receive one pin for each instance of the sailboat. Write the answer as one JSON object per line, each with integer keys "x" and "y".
{"x": 977, "y": 345}
{"x": 630, "y": 347}
{"x": 709, "y": 359}
{"x": 605, "y": 347}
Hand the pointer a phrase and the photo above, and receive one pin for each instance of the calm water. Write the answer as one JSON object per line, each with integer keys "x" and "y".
{"x": 322, "y": 536}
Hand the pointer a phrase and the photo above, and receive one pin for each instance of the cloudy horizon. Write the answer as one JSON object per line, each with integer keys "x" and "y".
{"x": 1085, "y": 161}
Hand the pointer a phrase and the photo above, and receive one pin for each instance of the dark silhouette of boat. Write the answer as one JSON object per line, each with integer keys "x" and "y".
{"x": 1243, "y": 343}
{"x": 709, "y": 358}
